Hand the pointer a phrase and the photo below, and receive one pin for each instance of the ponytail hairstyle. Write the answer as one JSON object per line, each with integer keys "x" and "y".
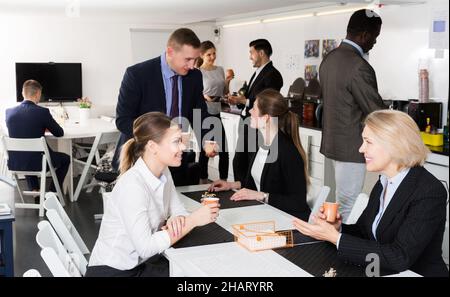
{"x": 272, "y": 103}
{"x": 204, "y": 47}
{"x": 149, "y": 126}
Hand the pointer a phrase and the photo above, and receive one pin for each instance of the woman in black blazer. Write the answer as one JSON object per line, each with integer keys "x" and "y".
{"x": 277, "y": 173}
{"x": 403, "y": 223}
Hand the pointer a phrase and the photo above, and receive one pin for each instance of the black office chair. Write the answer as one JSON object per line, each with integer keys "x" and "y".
{"x": 105, "y": 175}
{"x": 313, "y": 90}
{"x": 297, "y": 89}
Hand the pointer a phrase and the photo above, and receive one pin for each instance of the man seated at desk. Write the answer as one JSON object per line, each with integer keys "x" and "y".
{"x": 28, "y": 120}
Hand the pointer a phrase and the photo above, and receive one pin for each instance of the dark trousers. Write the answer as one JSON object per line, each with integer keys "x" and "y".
{"x": 224, "y": 158}
{"x": 241, "y": 160}
{"x": 61, "y": 164}
{"x": 156, "y": 266}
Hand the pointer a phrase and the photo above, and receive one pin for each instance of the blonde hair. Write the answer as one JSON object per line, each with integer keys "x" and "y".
{"x": 400, "y": 135}
{"x": 149, "y": 126}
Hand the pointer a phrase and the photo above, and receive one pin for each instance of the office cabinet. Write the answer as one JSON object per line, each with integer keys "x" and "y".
{"x": 6, "y": 246}
{"x": 311, "y": 139}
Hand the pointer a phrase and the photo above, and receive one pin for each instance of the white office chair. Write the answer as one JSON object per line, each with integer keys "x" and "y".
{"x": 32, "y": 273}
{"x": 84, "y": 148}
{"x": 32, "y": 145}
{"x": 316, "y": 197}
{"x": 110, "y": 138}
{"x": 63, "y": 225}
{"x": 358, "y": 208}
{"x": 7, "y": 184}
{"x": 5, "y": 175}
{"x": 60, "y": 263}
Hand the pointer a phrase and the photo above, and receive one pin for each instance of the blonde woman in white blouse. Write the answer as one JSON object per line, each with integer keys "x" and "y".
{"x": 144, "y": 216}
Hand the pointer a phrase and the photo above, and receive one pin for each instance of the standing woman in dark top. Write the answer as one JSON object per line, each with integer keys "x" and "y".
{"x": 278, "y": 174}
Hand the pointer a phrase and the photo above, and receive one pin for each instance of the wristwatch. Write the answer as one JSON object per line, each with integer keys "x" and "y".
{"x": 265, "y": 197}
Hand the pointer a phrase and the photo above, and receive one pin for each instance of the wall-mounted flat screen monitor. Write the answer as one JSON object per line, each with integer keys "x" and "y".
{"x": 61, "y": 82}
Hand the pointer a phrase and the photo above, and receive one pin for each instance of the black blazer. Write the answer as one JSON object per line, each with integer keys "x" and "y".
{"x": 28, "y": 120}
{"x": 284, "y": 178}
{"x": 142, "y": 91}
{"x": 409, "y": 235}
{"x": 268, "y": 78}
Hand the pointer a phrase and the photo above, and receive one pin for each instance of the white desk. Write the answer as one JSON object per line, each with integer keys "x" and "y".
{"x": 75, "y": 130}
{"x": 230, "y": 259}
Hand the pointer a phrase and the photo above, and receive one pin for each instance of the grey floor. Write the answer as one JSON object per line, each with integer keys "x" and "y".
{"x": 27, "y": 252}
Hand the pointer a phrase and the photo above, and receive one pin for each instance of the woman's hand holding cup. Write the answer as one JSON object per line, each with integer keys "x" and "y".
{"x": 206, "y": 214}
{"x": 329, "y": 212}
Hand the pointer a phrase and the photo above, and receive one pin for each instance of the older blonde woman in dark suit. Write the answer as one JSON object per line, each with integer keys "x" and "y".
{"x": 404, "y": 220}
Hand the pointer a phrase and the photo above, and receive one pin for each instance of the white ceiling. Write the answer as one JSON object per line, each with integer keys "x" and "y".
{"x": 172, "y": 11}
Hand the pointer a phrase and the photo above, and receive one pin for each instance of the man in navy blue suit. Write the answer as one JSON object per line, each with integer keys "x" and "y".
{"x": 28, "y": 120}
{"x": 168, "y": 83}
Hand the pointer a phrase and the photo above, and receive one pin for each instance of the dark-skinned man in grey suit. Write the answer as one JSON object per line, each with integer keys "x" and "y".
{"x": 350, "y": 93}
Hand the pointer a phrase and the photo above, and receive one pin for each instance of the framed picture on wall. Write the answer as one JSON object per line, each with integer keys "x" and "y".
{"x": 328, "y": 45}
{"x": 312, "y": 48}
{"x": 310, "y": 72}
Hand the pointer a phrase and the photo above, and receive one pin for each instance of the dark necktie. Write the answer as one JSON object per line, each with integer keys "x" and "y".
{"x": 174, "y": 108}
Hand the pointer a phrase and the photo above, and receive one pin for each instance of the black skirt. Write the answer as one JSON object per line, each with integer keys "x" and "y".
{"x": 156, "y": 266}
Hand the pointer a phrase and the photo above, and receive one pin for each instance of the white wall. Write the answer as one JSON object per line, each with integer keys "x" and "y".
{"x": 103, "y": 46}
{"x": 395, "y": 57}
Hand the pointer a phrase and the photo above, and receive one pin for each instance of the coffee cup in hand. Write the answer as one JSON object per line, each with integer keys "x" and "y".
{"x": 210, "y": 200}
{"x": 330, "y": 210}
{"x": 210, "y": 146}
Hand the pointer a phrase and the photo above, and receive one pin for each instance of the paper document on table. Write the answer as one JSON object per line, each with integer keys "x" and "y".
{"x": 238, "y": 262}
{"x": 257, "y": 213}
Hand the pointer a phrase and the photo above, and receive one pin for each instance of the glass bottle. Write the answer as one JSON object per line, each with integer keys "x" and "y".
{"x": 428, "y": 126}
{"x": 242, "y": 90}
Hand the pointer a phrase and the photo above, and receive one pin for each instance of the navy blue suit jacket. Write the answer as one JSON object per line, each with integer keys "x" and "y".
{"x": 142, "y": 91}
{"x": 28, "y": 120}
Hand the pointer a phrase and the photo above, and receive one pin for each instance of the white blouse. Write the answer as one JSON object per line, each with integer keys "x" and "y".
{"x": 258, "y": 166}
{"x": 139, "y": 205}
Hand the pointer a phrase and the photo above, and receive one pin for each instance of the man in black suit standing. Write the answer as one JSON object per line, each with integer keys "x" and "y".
{"x": 266, "y": 76}
{"x": 29, "y": 120}
{"x": 169, "y": 84}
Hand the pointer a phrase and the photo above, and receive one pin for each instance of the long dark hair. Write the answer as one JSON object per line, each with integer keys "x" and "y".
{"x": 149, "y": 126}
{"x": 204, "y": 46}
{"x": 271, "y": 102}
